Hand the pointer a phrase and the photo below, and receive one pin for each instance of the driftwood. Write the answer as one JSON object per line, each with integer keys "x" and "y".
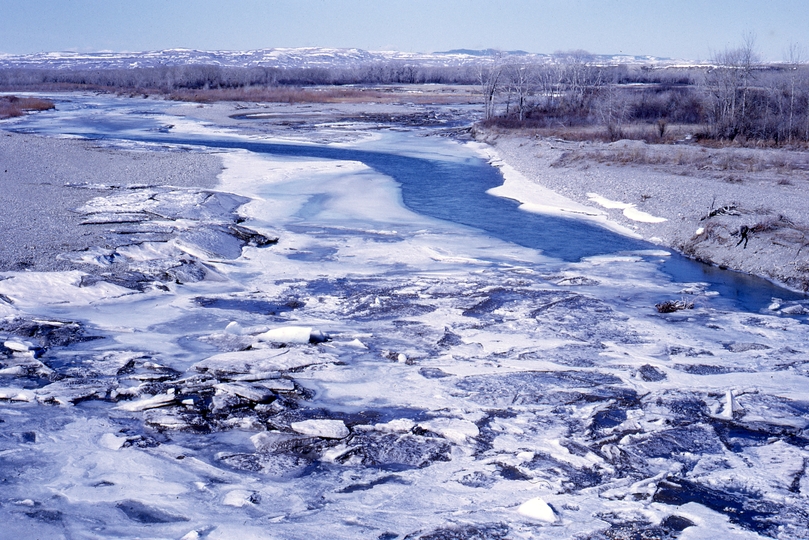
{"x": 727, "y": 210}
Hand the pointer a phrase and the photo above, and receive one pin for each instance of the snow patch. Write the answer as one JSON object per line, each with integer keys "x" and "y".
{"x": 630, "y": 211}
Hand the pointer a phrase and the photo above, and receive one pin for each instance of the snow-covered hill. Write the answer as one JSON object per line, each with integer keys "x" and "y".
{"x": 309, "y": 57}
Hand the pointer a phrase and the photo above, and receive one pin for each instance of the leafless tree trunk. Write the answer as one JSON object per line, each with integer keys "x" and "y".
{"x": 612, "y": 109}
{"x": 728, "y": 85}
{"x": 794, "y": 59}
{"x": 489, "y": 77}
{"x": 519, "y": 77}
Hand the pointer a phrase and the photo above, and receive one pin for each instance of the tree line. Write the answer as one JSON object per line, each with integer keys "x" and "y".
{"x": 203, "y": 77}
{"x": 733, "y": 98}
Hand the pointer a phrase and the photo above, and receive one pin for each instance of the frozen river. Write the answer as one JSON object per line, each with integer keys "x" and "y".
{"x": 411, "y": 359}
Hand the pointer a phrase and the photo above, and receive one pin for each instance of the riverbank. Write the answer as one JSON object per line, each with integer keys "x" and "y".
{"x": 43, "y": 181}
{"x": 742, "y": 209}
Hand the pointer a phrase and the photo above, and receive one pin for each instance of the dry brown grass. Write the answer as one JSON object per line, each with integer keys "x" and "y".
{"x": 329, "y": 94}
{"x": 13, "y": 106}
{"x": 638, "y": 131}
{"x": 731, "y": 164}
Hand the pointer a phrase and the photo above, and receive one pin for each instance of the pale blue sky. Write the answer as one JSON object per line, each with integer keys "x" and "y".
{"x": 687, "y": 29}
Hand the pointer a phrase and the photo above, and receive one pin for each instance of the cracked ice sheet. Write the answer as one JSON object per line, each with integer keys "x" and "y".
{"x": 458, "y": 330}
{"x": 34, "y": 289}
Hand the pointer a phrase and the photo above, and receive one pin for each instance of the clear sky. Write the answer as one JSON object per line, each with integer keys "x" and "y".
{"x": 684, "y": 29}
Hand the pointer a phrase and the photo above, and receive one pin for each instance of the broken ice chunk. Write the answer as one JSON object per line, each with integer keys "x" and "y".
{"x": 256, "y": 364}
{"x": 452, "y": 429}
{"x": 19, "y": 346}
{"x": 280, "y": 385}
{"x": 293, "y": 334}
{"x": 234, "y": 328}
{"x": 356, "y": 344}
{"x": 327, "y": 429}
{"x": 731, "y": 406}
{"x": 402, "y": 425}
{"x": 240, "y": 497}
{"x": 160, "y": 400}
{"x": 249, "y": 392}
{"x": 537, "y": 509}
{"x": 16, "y": 394}
{"x": 69, "y": 391}
{"x": 25, "y": 364}
{"x": 112, "y": 441}
{"x": 142, "y": 513}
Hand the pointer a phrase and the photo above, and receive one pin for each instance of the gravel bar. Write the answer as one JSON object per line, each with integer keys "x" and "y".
{"x": 43, "y": 180}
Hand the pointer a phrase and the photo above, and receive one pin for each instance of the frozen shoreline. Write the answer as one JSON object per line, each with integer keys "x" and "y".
{"x": 44, "y": 180}
{"x": 668, "y": 205}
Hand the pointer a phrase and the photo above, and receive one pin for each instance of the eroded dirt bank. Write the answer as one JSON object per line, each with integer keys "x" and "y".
{"x": 743, "y": 209}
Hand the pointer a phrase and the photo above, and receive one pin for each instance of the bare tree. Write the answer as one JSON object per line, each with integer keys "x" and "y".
{"x": 519, "y": 78}
{"x": 728, "y": 84}
{"x": 578, "y": 75}
{"x": 794, "y": 59}
{"x": 489, "y": 77}
{"x": 613, "y": 110}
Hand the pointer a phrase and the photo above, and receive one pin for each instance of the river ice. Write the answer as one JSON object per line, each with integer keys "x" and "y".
{"x": 380, "y": 374}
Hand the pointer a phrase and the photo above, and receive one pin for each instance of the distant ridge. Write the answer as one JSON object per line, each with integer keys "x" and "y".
{"x": 292, "y": 58}
{"x": 483, "y": 52}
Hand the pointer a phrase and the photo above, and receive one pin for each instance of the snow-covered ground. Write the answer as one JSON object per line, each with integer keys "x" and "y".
{"x": 376, "y": 373}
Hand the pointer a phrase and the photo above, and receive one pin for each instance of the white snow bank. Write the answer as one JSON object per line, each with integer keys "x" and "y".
{"x": 630, "y": 212}
{"x": 607, "y": 203}
{"x": 636, "y": 215}
{"x": 541, "y": 200}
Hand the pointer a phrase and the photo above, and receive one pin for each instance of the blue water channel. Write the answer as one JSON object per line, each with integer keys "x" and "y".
{"x": 456, "y": 191}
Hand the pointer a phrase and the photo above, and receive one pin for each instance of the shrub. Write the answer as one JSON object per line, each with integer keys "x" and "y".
{"x": 12, "y": 106}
